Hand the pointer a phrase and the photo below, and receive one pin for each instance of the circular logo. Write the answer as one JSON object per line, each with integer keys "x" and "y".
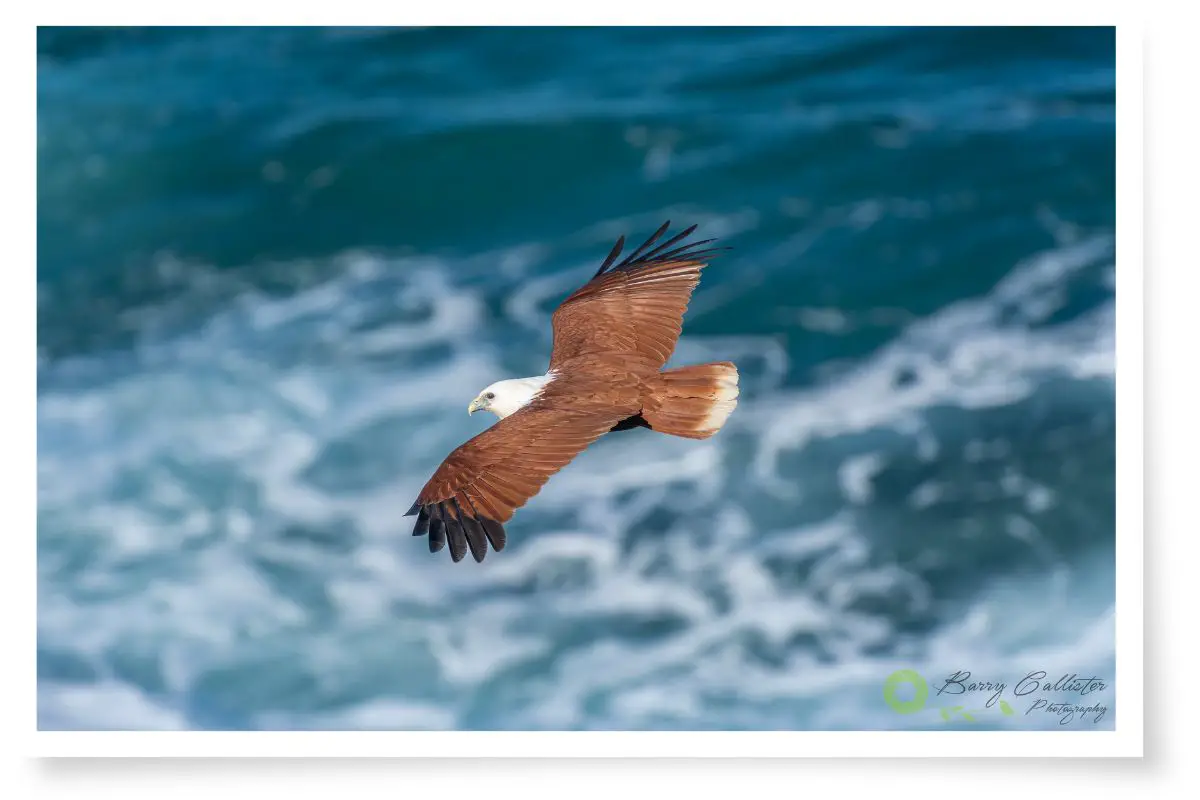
{"x": 905, "y": 706}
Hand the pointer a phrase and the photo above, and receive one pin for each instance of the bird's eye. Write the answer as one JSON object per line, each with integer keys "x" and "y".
{"x": 489, "y": 396}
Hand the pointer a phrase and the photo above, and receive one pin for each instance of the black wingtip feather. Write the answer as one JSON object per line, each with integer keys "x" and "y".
{"x": 476, "y": 539}
{"x": 437, "y": 535}
{"x": 457, "y": 540}
{"x": 415, "y": 508}
{"x": 422, "y": 526}
{"x": 612, "y": 256}
{"x": 495, "y": 533}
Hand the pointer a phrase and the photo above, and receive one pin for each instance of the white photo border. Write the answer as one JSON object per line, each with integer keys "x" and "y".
{"x": 1125, "y": 740}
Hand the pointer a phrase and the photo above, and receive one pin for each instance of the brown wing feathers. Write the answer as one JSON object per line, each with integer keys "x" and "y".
{"x": 635, "y": 306}
{"x": 479, "y": 485}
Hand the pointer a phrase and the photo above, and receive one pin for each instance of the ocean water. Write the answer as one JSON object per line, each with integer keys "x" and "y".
{"x": 274, "y": 266}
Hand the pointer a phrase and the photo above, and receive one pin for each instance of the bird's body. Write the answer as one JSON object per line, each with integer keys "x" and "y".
{"x": 612, "y": 338}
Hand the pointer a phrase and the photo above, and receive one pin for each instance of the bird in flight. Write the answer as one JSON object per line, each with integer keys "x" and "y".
{"x": 612, "y": 338}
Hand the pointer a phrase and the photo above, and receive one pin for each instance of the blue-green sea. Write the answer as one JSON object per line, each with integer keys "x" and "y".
{"x": 275, "y": 265}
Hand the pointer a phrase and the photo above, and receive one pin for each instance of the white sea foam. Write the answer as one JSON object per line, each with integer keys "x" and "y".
{"x": 187, "y": 524}
{"x": 105, "y": 706}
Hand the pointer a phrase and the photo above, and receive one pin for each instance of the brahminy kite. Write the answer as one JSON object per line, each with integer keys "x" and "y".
{"x": 612, "y": 338}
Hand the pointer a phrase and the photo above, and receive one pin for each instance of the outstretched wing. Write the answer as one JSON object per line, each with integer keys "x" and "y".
{"x": 480, "y": 484}
{"x": 634, "y": 307}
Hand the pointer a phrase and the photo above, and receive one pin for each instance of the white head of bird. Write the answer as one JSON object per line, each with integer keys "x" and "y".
{"x": 506, "y": 397}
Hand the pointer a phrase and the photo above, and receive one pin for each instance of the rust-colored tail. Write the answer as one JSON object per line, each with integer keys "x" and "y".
{"x": 692, "y": 401}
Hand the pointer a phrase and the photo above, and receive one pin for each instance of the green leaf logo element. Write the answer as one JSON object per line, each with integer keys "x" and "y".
{"x": 946, "y": 712}
{"x": 1006, "y": 708}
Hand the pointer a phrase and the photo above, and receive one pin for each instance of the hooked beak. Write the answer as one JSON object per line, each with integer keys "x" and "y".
{"x": 475, "y": 406}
